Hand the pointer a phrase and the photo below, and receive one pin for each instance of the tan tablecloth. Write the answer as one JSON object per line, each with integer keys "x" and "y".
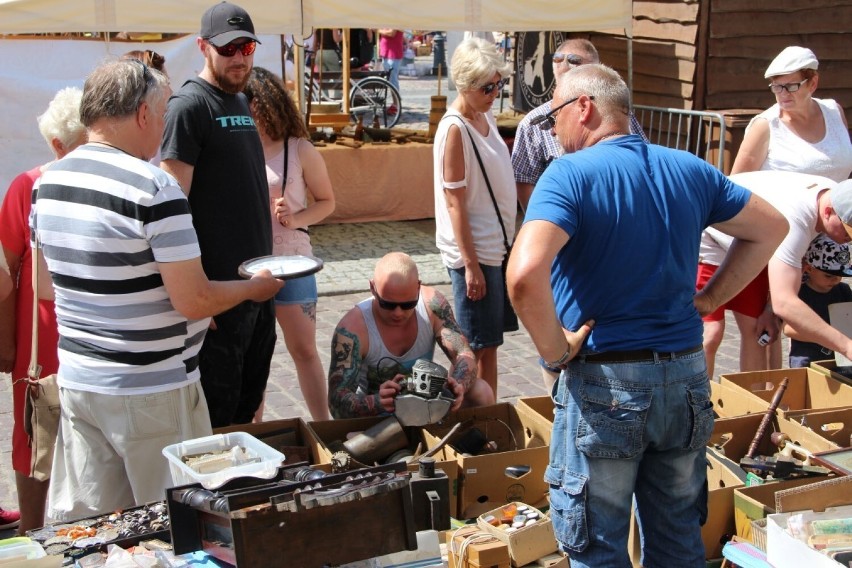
{"x": 380, "y": 183}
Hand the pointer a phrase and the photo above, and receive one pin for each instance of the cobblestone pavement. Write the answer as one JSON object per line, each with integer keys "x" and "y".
{"x": 350, "y": 252}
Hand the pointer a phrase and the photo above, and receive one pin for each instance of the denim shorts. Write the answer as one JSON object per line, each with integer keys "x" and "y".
{"x": 298, "y": 291}
{"x": 631, "y": 429}
{"x": 480, "y": 321}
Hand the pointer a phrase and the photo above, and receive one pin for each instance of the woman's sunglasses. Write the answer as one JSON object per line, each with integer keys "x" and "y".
{"x": 230, "y": 49}
{"x": 489, "y": 88}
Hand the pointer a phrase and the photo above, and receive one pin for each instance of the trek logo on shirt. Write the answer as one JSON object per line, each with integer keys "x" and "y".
{"x": 231, "y": 121}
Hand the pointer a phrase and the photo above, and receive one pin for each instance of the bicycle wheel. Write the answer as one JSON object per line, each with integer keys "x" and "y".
{"x": 375, "y": 97}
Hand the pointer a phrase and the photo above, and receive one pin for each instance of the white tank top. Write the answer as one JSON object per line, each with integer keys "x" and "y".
{"x": 831, "y": 157}
{"x": 380, "y": 364}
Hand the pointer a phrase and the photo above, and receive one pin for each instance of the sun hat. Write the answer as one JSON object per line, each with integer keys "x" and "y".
{"x": 224, "y": 22}
{"x": 829, "y": 256}
{"x": 792, "y": 59}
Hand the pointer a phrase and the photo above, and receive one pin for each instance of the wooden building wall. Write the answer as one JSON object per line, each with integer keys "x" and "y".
{"x": 711, "y": 54}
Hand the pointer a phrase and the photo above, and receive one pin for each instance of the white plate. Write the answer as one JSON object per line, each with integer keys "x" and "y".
{"x": 284, "y": 267}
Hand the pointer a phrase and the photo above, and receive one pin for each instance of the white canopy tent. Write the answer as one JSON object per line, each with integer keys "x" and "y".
{"x": 33, "y": 69}
{"x": 299, "y": 16}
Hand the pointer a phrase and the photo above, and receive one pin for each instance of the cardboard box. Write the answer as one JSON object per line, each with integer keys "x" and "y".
{"x": 829, "y": 367}
{"x": 758, "y": 501}
{"x": 513, "y": 472}
{"x": 484, "y": 551}
{"x": 526, "y": 544}
{"x": 821, "y": 430}
{"x": 784, "y": 551}
{"x": 325, "y": 437}
{"x": 289, "y": 436}
{"x": 752, "y": 392}
{"x": 554, "y": 560}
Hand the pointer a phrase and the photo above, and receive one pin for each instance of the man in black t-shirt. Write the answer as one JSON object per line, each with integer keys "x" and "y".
{"x": 212, "y": 147}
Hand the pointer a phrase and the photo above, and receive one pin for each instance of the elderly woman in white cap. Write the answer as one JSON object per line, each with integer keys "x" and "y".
{"x": 799, "y": 133}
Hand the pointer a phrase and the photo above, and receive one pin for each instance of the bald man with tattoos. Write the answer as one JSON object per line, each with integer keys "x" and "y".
{"x": 378, "y": 341}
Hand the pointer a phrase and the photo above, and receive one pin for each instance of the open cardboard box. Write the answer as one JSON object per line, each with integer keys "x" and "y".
{"x": 784, "y": 551}
{"x": 752, "y": 392}
{"x": 526, "y": 544}
{"x": 326, "y": 436}
{"x": 513, "y": 472}
{"x": 822, "y": 430}
{"x": 832, "y": 369}
{"x": 290, "y": 436}
{"x": 756, "y": 502}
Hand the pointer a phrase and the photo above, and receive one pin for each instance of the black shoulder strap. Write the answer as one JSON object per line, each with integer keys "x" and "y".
{"x": 286, "y": 164}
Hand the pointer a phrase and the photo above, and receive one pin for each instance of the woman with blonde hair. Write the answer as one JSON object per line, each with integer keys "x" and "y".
{"x": 476, "y": 202}
{"x": 61, "y": 128}
{"x": 295, "y": 170}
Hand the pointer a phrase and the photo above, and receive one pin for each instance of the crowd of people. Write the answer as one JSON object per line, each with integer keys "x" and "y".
{"x": 156, "y": 197}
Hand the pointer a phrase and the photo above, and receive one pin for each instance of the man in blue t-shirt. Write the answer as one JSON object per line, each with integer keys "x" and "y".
{"x": 614, "y": 227}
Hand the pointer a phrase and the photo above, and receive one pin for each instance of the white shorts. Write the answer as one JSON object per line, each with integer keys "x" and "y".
{"x": 109, "y": 448}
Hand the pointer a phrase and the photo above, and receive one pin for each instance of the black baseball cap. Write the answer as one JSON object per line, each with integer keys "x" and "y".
{"x": 224, "y": 22}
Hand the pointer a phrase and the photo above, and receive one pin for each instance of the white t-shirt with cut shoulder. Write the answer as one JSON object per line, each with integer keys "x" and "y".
{"x": 482, "y": 218}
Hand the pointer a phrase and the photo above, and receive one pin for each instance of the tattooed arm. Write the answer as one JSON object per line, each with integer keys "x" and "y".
{"x": 452, "y": 341}
{"x": 347, "y": 356}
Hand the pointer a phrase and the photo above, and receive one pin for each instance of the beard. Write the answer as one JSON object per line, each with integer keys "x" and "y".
{"x": 223, "y": 81}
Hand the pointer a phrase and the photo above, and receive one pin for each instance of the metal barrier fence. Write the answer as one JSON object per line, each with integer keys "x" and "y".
{"x": 699, "y": 132}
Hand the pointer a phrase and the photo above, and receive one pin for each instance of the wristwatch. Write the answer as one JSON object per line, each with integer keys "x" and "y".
{"x": 559, "y": 364}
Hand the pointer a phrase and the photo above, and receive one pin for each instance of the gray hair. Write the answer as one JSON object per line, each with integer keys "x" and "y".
{"x": 612, "y": 97}
{"x": 61, "y": 120}
{"x": 580, "y": 44}
{"x": 474, "y": 62}
{"x": 117, "y": 88}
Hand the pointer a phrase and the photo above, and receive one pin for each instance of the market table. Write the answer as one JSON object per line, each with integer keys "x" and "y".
{"x": 391, "y": 182}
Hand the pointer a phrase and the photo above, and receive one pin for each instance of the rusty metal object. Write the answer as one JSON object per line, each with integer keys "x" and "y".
{"x": 767, "y": 418}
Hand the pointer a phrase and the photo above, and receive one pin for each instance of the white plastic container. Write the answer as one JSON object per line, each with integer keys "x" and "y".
{"x": 13, "y": 549}
{"x": 182, "y": 474}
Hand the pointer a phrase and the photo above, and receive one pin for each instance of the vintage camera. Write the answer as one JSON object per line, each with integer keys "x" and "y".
{"x": 427, "y": 379}
{"x": 424, "y": 398}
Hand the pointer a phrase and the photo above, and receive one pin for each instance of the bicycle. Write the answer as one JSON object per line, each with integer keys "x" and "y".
{"x": 371, "y": 95}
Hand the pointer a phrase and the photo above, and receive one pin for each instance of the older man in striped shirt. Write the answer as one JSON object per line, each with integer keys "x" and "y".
{"x": 132, "y": 300}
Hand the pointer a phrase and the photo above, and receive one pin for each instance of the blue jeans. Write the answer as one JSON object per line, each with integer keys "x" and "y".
{"x": 392, "y": 65}
{"x": 625, "y": 429}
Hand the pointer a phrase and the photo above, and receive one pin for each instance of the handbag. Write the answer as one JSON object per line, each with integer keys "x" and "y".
{"x": 41, "y": 403}
{"x": 510, "y": 318}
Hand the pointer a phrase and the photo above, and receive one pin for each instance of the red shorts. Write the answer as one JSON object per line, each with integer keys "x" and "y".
{"x": 749, "y": 302}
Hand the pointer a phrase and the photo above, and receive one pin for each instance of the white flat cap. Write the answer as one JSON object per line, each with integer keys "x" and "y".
{"x": 792, "y": 59}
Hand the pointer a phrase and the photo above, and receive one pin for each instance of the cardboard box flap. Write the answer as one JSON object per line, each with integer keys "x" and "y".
{"x": 807, "y": 389}
{"x": 815, "y": 496}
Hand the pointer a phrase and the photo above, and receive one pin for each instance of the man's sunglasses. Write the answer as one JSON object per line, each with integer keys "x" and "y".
{"x": 230, "y": 49}
{"x": 548, "y": 121}
{"x": 789, "y": 87}
{"x": 489, "y": 88}
{"x": 391, "y": 306}
{"x": 569, "y": 59}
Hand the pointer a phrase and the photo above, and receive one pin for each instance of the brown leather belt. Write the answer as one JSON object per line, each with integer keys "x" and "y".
{"x": 638, "y": 356}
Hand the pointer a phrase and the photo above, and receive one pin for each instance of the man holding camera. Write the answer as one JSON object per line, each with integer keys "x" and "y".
{"x": 377, "y": 342}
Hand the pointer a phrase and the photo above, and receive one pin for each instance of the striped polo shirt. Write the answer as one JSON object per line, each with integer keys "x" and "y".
{"x": 105, "y": 219}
